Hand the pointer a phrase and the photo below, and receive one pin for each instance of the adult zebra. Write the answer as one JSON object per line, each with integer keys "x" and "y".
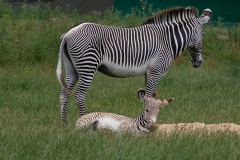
{"x": 124, "y": 52}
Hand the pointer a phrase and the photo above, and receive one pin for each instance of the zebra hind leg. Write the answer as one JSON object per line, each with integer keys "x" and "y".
{"x": 71, "y": 79}
{"x": 94, "y": 125}
{"x": 86, "y": 71}
{"x": 91, "y": 126}
{"x": 80, "y": 97}
{"x": 64, "y": 96}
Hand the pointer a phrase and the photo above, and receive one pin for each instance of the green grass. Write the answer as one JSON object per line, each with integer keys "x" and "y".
{"x": 30, "y": 120}
{"x": 31, "y": 128}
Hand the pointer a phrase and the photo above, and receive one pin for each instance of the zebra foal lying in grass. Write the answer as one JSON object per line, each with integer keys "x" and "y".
{"x": 115, "y": 122}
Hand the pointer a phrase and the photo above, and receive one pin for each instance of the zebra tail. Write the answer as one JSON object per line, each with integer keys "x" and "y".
{"x": 59, "y": 68}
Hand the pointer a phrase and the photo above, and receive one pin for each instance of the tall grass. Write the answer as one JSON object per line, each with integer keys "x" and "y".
{"x": 30, "y": 126}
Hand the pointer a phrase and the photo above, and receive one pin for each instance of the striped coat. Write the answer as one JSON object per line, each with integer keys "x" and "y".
{"x": 115, "y": 122}
{"x": 147, "y": 50}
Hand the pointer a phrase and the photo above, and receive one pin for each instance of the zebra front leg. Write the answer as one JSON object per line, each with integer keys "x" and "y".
{"x": 151, "y": 80}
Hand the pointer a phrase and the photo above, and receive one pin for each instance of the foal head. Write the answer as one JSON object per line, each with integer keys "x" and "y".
{"x": 152, "y": 106}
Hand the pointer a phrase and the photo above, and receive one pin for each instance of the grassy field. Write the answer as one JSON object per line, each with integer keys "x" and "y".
{"x": 30, "y": 120}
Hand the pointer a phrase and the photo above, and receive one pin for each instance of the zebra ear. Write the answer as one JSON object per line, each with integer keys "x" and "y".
{"x": 206, "y": 15}
{"x": 141, "y": 94}
{"x": 155, "y": 95}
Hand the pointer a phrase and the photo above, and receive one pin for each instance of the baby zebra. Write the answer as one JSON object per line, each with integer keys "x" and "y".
{"x": 115, "y": 122}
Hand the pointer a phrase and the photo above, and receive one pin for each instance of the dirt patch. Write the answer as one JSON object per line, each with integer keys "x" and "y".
{"x": 198, "y": 127}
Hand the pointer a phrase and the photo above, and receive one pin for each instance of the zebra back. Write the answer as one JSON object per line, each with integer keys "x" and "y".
{"x": 101, "y": 120}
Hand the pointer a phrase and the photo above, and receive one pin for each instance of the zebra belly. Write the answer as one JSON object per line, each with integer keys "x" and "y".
{"x": 115, "y": 70}
{"x": 108, "y": 123}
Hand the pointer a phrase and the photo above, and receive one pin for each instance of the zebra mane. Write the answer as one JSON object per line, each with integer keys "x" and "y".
{"x": 173, "y": 15}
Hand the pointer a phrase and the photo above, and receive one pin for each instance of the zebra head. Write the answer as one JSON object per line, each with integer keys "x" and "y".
{"x": 152, "y": 107}
{"x": 195, "y": 45}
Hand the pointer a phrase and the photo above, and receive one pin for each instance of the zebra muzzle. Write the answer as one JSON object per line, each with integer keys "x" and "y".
{"x": 196, "y": 64}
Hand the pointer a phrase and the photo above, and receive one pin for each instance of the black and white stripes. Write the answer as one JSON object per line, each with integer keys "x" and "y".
{"x": 119, "y": 123}
{"x": 146, "y": 50}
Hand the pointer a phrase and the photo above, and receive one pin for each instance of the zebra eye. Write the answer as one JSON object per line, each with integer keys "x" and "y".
{"x": 147, "y": 110}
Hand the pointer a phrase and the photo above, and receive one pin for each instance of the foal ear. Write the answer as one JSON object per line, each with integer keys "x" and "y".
{"x": 206, "y": 15}
{"x": 165, "y": 101}
{"x": 141, "y": 94}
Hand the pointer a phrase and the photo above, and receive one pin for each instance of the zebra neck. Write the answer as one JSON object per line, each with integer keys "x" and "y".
{"x": 143, "y": 122}
{"x": 179, "y": 38}
{"x": 173, "y": 15}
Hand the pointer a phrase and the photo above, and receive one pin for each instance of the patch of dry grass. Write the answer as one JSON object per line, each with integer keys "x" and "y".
{"x": 198, "y": 128}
